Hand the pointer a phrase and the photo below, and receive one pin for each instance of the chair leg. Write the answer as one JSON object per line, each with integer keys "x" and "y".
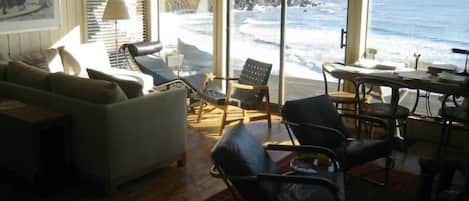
{"x": 442, "y": 139}
{"x": 223, "y": 119}
{"x": 387, "y": 170}
{"x": 448, "y": 135}
{"x": 267, "y": 108}
{"x": 201, "y": 105}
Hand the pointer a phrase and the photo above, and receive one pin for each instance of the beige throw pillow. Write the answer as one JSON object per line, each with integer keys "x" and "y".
{"x": 131, "y": 88}
{"x": 71, "y": 65}
{"x": 48, "y": 60}
{"x": 95, "y": 91}
{"x": 77, "y": 58}
{"x": 24, "y": 74}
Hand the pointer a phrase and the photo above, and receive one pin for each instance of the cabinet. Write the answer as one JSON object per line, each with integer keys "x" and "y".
{"x": 34, "y": 143}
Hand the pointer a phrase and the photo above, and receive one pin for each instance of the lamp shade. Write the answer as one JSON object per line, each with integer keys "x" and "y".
{"x": 116, "y": 10}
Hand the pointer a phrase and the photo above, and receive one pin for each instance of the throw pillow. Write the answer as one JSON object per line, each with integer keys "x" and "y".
{"x": 24, "y": 74}
{"x": 77, "y": 58}
{"x": 48, "y": 60}
{"x": 131, "y": 88}
{"x": 95, "y": 91}
{"x": 71, "y": 65}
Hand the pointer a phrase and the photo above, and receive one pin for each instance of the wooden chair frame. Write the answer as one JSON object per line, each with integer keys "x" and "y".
{"x": 231, "y": 86}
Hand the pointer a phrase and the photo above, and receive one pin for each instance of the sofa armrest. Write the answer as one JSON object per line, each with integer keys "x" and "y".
{"x": 146, "y": 131}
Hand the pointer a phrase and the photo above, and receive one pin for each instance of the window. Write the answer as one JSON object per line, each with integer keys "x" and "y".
{"x": 399, "y": 28}
{"x": 255, "y": 33}
{"x": 132, "y": 30}
{"x": 312, "y": 37}
{"x": 186, "y": 31}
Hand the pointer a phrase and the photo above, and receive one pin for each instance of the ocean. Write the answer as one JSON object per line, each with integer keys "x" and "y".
{"x": 397, "y": 29}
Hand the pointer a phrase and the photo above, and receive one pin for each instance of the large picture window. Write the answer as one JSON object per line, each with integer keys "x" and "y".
{"x": 399, "y": 28}
{"x": 186, "y": 31}
{"x": 128, "y": 31}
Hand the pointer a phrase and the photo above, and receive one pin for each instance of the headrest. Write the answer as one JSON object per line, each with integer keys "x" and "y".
{"x": 144, "y": 48}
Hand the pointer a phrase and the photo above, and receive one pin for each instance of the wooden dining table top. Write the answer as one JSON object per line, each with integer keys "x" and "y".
{"x": 443, "y": 83}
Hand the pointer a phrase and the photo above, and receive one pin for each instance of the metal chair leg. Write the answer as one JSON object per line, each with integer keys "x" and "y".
{"x": 201, "y": 105}
{"x": 223, "y": 120}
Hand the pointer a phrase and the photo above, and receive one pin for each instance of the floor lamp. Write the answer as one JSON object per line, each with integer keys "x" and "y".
{"x": 116, "y": 10}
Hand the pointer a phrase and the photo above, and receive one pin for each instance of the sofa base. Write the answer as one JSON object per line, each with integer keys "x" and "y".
{"x": 112, "y": 186}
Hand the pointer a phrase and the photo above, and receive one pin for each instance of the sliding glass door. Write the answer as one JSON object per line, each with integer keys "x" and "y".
{"x": 313, "y": 36}
{"x": 186, "y": 31}
{"x": 255, "y": 33}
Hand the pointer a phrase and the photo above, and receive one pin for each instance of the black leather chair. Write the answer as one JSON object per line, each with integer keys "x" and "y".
{"x": 451, "y": 114}
{"x": 144, "y": 56}
{"x": 248, "y": 170}
{"x": 395, "y": 114}
{"x": 315, "y": 121}
{"x": 442, "y": 189}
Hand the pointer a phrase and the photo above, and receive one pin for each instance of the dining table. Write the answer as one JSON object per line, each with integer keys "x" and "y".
{"x": 442, "y": 83}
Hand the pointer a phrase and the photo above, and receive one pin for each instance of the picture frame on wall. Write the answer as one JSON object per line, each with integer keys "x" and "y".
{"x": 29, "y": 15}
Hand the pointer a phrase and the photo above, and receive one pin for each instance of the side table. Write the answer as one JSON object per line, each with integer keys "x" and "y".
{"x": 34, "y": 143}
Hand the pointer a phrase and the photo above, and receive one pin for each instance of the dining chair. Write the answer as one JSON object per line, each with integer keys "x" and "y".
{"x": 395, "y": 114}
{"x": 250, "y": 173}
{"x": 247, "y": 94}
{"x": 315, "y": 121}
{"x": 451, "y": 115}
{"x": 348, "y": 101}
{"x": 438, "y": 179}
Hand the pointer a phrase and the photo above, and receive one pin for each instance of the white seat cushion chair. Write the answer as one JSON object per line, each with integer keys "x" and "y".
{"x": 77, "y": 58}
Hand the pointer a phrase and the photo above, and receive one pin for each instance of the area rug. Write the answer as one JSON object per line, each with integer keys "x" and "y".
{"x": 402, "y": 186}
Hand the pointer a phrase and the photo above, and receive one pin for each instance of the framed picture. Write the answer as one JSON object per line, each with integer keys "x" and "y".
{"x": 29, "y": 15}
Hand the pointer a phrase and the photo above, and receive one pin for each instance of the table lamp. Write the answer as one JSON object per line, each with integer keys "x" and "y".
{"x": 116, "y": 10}
{"x": 462, "y": 51}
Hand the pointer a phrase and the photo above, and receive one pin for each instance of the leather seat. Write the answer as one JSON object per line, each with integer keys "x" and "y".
{"x": 384, "y": 110}
{"x": 362, "y": 151}
{"x": 459, "y": 114}
{"x": 242, "y": 160}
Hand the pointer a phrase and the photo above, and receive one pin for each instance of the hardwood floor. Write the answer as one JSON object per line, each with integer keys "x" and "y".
{"x": 189, "y": 183}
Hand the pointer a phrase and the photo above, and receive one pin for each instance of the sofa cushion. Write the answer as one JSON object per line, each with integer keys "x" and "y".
{"x": 96, "y": 91}
{"x": 24, "y": 74}
{"x": 131, "y": 88}
{"x": 48, "y": 60}
{"x": 3, "y": 71}
{"x": 77, "y": 58}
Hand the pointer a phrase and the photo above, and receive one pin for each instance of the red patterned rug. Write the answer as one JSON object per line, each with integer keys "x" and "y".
{"x": 402, "y": 186}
